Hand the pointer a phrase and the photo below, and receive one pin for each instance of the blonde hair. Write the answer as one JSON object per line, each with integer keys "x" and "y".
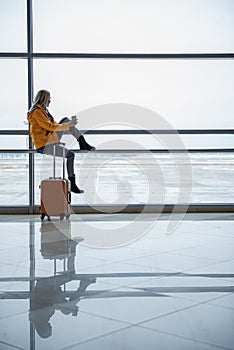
{"x": 41, "y": 97}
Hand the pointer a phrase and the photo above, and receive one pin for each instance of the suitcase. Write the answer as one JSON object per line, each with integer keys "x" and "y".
{"x": 55, "y": 194}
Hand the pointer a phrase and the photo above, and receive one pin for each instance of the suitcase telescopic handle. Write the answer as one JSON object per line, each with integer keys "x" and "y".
{"x": 54, "y": 148}
{"x": 63, "y": 144}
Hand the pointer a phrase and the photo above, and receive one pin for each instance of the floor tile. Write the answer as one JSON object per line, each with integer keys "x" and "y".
{"x": 132, "y": 306}
{"x": 204, "y": 323}
{"x": 222, "y": 250}
{"x": 172, "y": 261}
{"x": 137, "y": 338}
{"x": 224, "y": 301}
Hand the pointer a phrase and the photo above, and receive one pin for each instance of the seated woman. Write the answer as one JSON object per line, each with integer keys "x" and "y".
{"x": 45, "y": 132}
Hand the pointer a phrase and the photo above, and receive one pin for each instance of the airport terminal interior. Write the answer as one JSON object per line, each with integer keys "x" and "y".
{"x": 144, "y": 258}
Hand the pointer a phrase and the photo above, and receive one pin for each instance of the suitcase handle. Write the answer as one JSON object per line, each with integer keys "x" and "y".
{"x": 63, "y": 145}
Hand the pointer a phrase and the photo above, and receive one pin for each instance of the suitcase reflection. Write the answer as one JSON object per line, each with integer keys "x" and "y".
{"x": 49, "y": 293}
{"x": 57, "y": 244}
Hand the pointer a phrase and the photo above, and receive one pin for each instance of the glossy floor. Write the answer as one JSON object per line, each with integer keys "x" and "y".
{"x": 117, "y": 282}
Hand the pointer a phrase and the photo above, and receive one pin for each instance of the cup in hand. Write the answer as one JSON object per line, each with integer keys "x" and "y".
{"x": 74, "y": 118}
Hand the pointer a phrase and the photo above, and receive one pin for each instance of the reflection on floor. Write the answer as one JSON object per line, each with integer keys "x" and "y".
{"x": 117, "y": 282}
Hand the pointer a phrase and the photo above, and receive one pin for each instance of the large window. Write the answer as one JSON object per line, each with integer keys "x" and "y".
{"x": 122, "y": 65}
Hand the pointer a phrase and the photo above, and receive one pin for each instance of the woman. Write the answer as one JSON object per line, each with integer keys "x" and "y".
{"x": 45, "y": 132}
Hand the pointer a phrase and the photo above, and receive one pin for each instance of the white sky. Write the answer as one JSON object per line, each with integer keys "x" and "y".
{"x": 134, "y": 25}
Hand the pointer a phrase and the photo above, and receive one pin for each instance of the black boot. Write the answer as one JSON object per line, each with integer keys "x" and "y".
{"x": 84, "y": 146}
{"x": 74, "y": 188}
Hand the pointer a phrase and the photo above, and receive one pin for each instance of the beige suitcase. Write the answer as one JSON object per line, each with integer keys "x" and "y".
{"x": 55, "y": 194}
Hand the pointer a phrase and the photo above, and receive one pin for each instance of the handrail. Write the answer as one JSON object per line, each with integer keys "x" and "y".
{"x": 96, "y": 55}
{"x": 131, "y": 209}
{"x": 136, "y": 132}
{"x": 195, "y": 150}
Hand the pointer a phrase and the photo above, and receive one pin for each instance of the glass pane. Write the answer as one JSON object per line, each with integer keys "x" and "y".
{"x": 134, "y": 26}
{"x": 13, "y": 97}
{"x": 13, "y": 142}
{"x": 154, "y": 179}
{"x": 185, "y": 94}
{"x": 13, "y": 25}
{"x": 14, "y": 179}
{"x": 153, "y": 142}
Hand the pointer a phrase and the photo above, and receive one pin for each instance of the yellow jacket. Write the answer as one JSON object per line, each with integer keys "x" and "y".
{"x": 42, "y": 130}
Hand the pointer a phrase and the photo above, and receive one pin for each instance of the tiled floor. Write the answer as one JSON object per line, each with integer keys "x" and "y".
{"x": 117, "y": 282}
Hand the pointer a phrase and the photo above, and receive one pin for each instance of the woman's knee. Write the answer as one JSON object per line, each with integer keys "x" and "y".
{"x": 64, "y": 120}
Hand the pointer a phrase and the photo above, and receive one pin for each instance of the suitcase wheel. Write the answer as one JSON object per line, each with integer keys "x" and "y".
{"x": 62, "y": 216}
{"x": 43, "y": 217}
{"x": 67, "y": 216}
